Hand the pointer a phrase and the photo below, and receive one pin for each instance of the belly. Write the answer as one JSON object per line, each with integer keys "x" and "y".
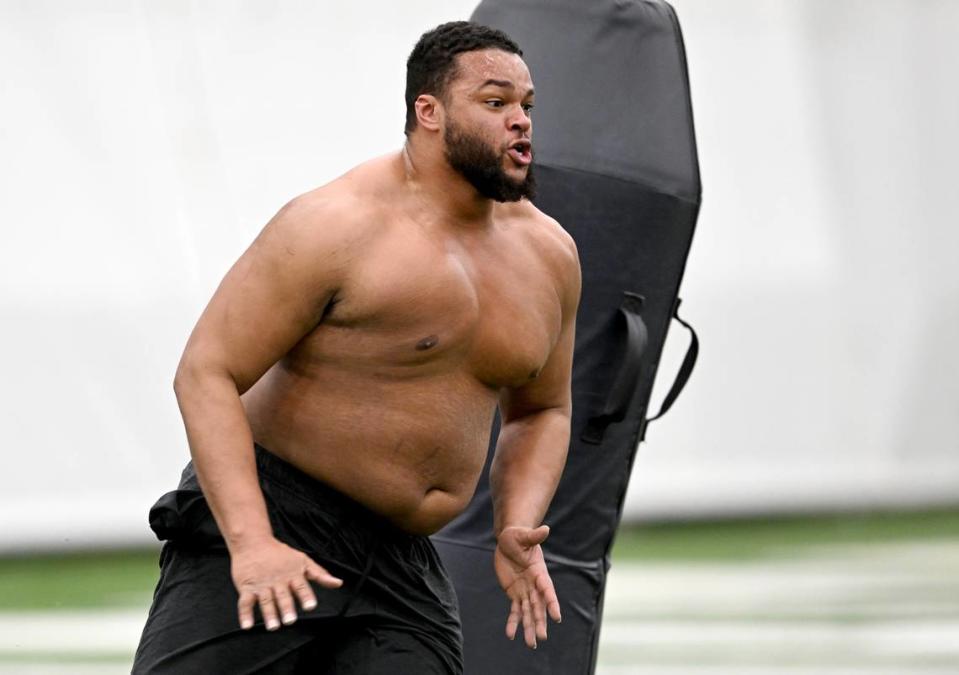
{"x": 410, "y": 450}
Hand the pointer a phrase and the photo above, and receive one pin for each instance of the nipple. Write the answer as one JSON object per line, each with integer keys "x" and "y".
{"x": 427, "y": 343}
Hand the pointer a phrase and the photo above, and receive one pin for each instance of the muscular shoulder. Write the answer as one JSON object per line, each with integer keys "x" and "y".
{"x": 323, "y": 215}
{"x": 324, "y": 232}
{"x": 330, "y": 223}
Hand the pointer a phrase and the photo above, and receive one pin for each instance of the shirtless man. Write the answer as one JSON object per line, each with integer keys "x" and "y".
{"x": 338, "y": 393}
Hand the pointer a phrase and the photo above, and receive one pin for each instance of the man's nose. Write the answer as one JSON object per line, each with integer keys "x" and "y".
{"x": 520, "y": 122}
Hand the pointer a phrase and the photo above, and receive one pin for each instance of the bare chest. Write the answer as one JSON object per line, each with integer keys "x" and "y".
{"x": 416, "y": 308}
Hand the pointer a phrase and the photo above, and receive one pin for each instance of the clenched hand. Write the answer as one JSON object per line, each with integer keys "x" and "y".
{"x": 270, "y": 573}
{"x": 522, "y": 573}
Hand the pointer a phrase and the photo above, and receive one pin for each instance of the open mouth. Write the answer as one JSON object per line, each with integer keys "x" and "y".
{"x": 521, "y": 152}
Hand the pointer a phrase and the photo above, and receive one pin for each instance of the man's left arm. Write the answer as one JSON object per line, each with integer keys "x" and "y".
{"x": 529, "y": 460}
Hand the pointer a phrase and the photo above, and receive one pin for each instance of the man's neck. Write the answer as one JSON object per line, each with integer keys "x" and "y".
{"x": 444, "y": 190}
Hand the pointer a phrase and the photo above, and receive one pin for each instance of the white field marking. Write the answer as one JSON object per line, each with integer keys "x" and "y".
{"x": 820, "y": 641}
{"x": 54, "y": 668}
{"x": 908, "y": 580}
{"x": 870, "y": 608}
{"x": 93, "y": 631}
{"x": 681, "y": 669}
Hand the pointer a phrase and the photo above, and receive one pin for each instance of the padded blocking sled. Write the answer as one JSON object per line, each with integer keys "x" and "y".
{"x": 617, "y": 167}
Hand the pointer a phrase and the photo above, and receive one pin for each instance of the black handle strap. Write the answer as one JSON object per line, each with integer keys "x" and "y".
{"x": 685, "y": 370}
{"x": 617, "y": 403}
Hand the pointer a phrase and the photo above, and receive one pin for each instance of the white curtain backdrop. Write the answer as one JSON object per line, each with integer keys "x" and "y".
{"x": 144, "y": 144}
{"x": 823, "y": 276}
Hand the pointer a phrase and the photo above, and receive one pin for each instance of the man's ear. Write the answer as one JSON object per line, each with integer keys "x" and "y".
{"x": 429, "y": 112}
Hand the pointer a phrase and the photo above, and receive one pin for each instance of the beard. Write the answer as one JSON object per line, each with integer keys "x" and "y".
{"x": 479, "y": 164}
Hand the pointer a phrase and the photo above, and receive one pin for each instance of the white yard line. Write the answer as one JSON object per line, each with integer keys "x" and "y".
{"x": 41, "y": 668}
{"x": 869, "y": 641}
{"x": 605, "y": 669}
{"x": 79, "y": 632}
{"x": 914, "y": 580}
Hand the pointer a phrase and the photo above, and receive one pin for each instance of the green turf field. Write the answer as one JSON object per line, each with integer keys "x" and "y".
{"x": 841, "y": 595}
{"x": 126, "y": 578}
{"x": 82, "y": 580}
{"x": 771, "y": 538}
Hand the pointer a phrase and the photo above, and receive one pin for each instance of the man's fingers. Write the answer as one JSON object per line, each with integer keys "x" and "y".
{"x": 304, "y": 594}
{"x": 512, "y": 622}
{"x": 529, "y": 630}
{"x": 244, "y": 608}
{"x": 545, "y": 586}
{"x": 553, "y": 609}
{"x": 268, "y": 609}
{"x": 539, "y": 615}
{"x": 321, "y": 576}
{"x": 284, "y": 603}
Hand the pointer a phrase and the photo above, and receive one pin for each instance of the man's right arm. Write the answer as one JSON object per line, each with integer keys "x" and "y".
{"x": 273, "y": 296}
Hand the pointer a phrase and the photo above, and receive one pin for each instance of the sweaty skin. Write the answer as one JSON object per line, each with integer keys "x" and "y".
{"x": 368, "y": 335}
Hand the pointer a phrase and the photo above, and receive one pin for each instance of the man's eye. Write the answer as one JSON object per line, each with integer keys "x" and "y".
{"x": 496, "y": 103}
{"x": 528, "y": 107}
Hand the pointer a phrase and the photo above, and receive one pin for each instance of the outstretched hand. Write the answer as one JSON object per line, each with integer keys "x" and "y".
{"x": 522, "y": 573}
{"x": 273, "y": 576}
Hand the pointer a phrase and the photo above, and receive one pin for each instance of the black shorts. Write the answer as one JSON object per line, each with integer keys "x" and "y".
{"x": 396, "y": 612}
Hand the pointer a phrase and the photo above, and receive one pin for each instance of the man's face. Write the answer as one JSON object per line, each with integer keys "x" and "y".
{"x": 488, "y": 124}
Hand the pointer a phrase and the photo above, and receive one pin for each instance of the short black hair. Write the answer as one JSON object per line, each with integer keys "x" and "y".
{"x": 432, "y": 63}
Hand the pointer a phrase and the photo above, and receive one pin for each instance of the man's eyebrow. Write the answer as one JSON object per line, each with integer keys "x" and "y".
{"x": 505, "y": 84}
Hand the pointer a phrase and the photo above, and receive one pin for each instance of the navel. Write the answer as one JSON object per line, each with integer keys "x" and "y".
{"x": 427, "y": 343}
